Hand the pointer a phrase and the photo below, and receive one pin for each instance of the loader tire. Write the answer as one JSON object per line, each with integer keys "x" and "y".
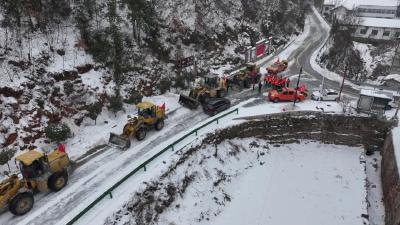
{"x": 21, "y": 204}
{"x": 58, "y": 181}
{"x": 159, "y": 124}
{"x": 141, "y": 134}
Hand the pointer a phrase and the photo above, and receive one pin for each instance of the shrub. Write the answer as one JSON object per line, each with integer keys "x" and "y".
{"x": 179, "y": 82}
{"x": 6, "y": 155}
{"x": 57, "y": 132}
{"x": 134, "y": 97}
{"x": 68, "y": 88}
{"x": 94, "y": 110}
{"x": 164, "y": 85}
{"x": 115, "y": 103}
{"x": 380, "y": 70}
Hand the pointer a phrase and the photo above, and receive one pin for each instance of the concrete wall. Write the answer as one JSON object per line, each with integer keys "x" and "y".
{"x": 390, "y": 183}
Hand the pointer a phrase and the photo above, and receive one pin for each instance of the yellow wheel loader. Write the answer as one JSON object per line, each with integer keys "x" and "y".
{"x": 243, "y": 78}
{"x": 212, "y": 87}
{"x": 39, "y": 173}
{"x": 149, "y": 116}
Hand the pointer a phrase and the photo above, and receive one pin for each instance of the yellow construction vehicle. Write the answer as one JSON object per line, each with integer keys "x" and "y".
{"x": 212, "y": 87}
{"x": 39, "y": 173}
{"x": 149, "y": 116}
{"x": 244, "y": 77}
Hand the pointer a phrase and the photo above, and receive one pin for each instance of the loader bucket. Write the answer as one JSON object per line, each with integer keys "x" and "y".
{"x": 119, "y": 141}
{"x": 188, "y": 102}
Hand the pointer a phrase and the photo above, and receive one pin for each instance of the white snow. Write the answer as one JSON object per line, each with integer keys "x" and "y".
{"x": 351, "y": 4}
{"x": 376, "y": 93}
{"x": 93, "y": 80}
{"x": 298, "y": 184}
{"x": 395, "y": 77}
{"x": 379, "y": 22}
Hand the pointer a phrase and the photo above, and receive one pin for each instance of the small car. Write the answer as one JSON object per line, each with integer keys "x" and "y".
{"x": 287, "y": 94}
{"x": 216, "y": 105}
{"x": 325, "y": 95}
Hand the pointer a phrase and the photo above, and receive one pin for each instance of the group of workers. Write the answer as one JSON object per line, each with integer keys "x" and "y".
{"x": 270, "y": 81}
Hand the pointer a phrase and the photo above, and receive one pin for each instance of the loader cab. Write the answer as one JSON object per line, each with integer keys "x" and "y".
{"x": 147, "y": 110}
{"x": 33, "y": 164}
{"x": 211, "y": 80}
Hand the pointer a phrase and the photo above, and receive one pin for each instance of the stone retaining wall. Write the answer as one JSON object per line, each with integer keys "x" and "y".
{"x": 390, "y": 183}
{"x": 370, "y": 133}
{"x": 289, "y": 127}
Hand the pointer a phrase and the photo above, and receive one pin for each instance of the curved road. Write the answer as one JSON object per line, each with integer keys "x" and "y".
{"x": 302, "y": 57}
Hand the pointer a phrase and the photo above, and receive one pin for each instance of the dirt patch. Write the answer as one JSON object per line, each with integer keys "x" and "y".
{"x": 9, "y": 92}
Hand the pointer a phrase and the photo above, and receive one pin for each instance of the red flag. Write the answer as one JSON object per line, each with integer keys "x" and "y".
{"x": 162, "y": 106}
{"x": 61, "y": 148}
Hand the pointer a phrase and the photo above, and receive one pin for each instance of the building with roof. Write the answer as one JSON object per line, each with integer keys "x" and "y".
{"x": 374, "y": 101}
{"x": 375, "y": 19}
{"x": 377, "y": 28}
{"x": 361, "y": 8}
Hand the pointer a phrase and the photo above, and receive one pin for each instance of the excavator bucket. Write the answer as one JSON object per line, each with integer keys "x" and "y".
{"x": 188, "y": 102}
{"x": 119, "y": 141}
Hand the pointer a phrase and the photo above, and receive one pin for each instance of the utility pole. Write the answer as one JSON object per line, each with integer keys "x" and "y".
{"x": 297, "y": 86}
{"x": 341, "y": 86}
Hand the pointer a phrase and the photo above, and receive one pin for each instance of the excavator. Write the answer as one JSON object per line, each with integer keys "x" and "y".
{"x": 203, "y": 91}
{"x": 149, "y": 116}
{"x": 39, "y": 172}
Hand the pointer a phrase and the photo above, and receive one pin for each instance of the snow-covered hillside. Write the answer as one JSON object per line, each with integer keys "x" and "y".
{"x": 61, "y": 58}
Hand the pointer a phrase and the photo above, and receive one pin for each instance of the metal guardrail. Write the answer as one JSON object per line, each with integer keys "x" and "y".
{"x": 108, "y": 192}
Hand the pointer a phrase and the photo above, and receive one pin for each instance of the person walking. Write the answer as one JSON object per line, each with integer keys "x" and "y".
{"x": 259, "y": 87}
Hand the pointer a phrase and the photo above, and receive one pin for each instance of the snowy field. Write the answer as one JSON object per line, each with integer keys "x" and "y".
{"x": 251, "y": 182}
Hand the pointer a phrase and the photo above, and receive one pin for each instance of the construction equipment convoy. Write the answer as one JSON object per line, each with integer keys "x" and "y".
{"x": 247, "y": 76}
{"x": 203, "y": 90}
{"x": 39, "y": 172}
{"x": 149, "y": 116}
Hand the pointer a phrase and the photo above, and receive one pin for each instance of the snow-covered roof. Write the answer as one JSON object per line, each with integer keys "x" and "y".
{"x": 330, "y": 2}
{"x": 377, "y": 94}
{"x": 395, "y": 77}
{"x": 396, "y": 145}
{"x": 379, "y": 22}
{"x": 351, "y": 4}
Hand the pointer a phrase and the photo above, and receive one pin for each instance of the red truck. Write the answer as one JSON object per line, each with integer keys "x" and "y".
{"x": 287, "y": 94}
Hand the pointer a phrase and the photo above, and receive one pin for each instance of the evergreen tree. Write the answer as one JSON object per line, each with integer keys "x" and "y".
{"x": 115, "y": 102}
{"x": 118, "y": 47}
{"x": 94, "y": 110}
{"x": 57, "y": 132}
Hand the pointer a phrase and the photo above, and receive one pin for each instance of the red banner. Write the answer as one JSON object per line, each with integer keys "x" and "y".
{"x": 260, "y": 50}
